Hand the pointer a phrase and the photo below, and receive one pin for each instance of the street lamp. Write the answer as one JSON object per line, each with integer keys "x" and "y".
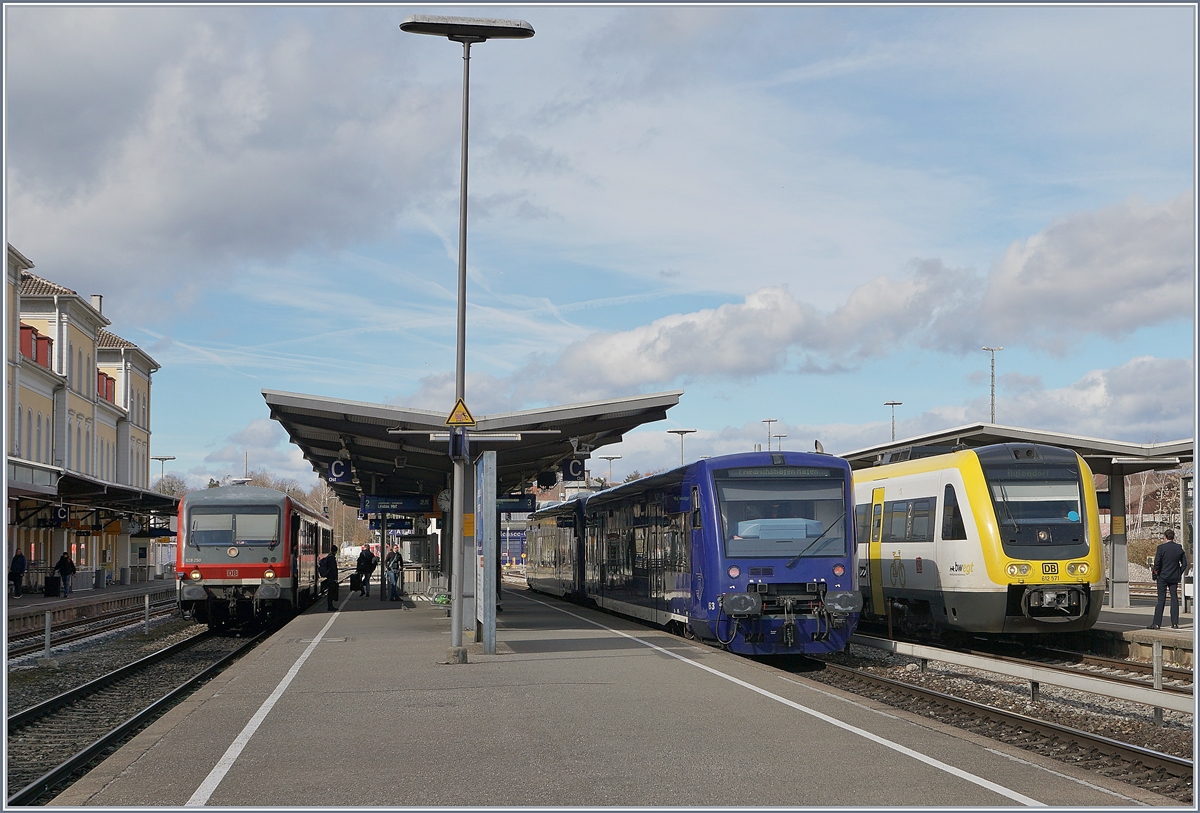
{"x": 768, "y": 422}
{"x": 779, "y": 439}
{"x": 610, "y": 458}
{"x": 893, "y": 405}
{"x": 162, "y": 459}
{"x": 466, "y": 30}
{"x": 681, "y": 433}
{"x": 993, "y": 350}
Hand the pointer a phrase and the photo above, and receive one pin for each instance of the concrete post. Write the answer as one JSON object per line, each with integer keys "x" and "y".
{"x": 1118, "y": 559}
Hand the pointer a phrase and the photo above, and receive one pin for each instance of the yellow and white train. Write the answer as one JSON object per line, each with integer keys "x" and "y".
{"x": 998, "y": 539}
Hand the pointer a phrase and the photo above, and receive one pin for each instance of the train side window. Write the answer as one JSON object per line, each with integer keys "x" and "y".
{"x": 862, "y": 524}
{"x": 876, "y": 522}
{"x": 695, "y": 506}
{"x": 952, "y": 521}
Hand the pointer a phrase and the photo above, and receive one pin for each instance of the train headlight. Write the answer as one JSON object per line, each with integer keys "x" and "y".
{"x": 1017, "y": 569}
{"x": 268, "y": 574}
{"x": 734, "y": 571}
{"x": 194, "y": 575}
{"x": 838, "y": 569}
{"x": 1077, "y": 568}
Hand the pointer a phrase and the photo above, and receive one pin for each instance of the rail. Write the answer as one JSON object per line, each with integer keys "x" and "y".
{"x": 1157, "y": 698}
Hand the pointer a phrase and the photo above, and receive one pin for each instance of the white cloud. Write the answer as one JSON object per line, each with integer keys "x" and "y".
{"x": 262, "y": 444}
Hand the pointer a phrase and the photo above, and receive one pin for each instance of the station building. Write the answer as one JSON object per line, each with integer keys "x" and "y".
{"x": 79, "y": 406}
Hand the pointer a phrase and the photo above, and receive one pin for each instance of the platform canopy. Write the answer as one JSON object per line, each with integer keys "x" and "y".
{"x": 414, "y": 459}
{"x": 1102, "y": 455}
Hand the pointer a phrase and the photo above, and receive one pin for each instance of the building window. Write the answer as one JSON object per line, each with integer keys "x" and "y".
{"x": 71, "y": 364}
{"x": 38, "y": 448}
{"x": 67, "y": 459}
{"x": 29, "y": 434}
{"x": 17, "y": 438}
{"x": 90, "y": 373}
{"x": 87, "y": 454}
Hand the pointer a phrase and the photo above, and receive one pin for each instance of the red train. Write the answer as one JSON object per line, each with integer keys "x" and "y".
{"x": 245, "y": 554}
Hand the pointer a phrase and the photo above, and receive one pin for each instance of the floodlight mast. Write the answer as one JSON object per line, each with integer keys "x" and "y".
{"x": 466, "y": 30}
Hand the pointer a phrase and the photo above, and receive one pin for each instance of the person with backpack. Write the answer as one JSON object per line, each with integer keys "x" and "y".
{"x": 66, "y": 569}
{"x": 366, "y": 564}
{"x": 327, "y": 568}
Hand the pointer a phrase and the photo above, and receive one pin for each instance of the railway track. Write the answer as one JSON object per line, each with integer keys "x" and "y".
{"x": 86, "y": 723}
{"x": 80, "y": 628}
{"x": 1163, "y": 773}
{"x": 1175, "y": 679}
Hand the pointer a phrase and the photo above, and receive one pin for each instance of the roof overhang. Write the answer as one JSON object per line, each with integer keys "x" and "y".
{"x": 409, "y": 461}
{"x": 1104, "y": 456}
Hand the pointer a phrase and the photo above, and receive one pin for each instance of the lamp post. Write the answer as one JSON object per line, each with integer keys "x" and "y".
{"x": 610, "y": 458}
{"x": 768, "y": 422}
{"x": 162, "y": 459}
{"x": 993, "y": 350}
{"x": 893, "y": 405}
{"x": 681, "y": 433}
{"x": 466, "y": 30}
{"x": 778, "y": 441}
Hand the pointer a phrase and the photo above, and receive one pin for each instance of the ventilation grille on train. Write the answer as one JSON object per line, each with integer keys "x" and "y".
{"x": 762, "y": 571}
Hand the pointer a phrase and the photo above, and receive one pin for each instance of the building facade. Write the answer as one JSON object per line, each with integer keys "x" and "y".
{"x": 78, "y": 447}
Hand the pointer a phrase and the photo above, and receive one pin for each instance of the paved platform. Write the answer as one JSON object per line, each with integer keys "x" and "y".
{"x": 358, "y": 707}
{"x": 29, "y": 610}
{"x": 1129, "y": 629}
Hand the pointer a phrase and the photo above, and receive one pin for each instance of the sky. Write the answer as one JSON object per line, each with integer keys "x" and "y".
{"x": 790, "y": 213}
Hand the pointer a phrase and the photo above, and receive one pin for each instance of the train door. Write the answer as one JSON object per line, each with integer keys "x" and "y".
{"x": 697, "y": 560}
{"x": 874, "y": 551}
{"x": 294, "y": 556}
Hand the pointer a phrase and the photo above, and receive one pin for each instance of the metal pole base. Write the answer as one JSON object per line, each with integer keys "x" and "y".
{"x": 456, "y": 654}
{"x": 48, "y": 663}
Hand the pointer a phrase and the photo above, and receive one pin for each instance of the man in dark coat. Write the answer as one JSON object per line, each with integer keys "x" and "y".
{"x": 1170, "y": 563}
{"x": 16, "y": 572}
{"x": 66, "y": 569}
{"x": 366, "y": 566}
{"x": 327, "y": 567}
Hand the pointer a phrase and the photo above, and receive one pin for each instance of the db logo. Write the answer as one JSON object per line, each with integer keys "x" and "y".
{"x": 232, "y": 574}
{"x": 1050, "y": 568}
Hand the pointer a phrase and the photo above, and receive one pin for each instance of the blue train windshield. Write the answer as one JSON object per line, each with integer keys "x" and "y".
{"x": 782, "y": 515}
{"x": 226, "y": 527}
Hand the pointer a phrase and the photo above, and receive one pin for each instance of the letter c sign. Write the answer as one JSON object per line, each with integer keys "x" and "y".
{"x": 339, "y": 471}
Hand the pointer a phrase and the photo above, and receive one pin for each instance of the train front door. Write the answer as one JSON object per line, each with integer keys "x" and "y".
{"x": 874, "y": 551}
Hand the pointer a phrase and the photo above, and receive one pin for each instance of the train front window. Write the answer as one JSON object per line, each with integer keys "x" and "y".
{"x": 1034, "y": 496}
{"x": 223, "y": 528}
{"x": 798, "y": 511}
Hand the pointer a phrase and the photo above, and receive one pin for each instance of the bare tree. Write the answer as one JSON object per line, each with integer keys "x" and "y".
{"x": 172, "y": 485}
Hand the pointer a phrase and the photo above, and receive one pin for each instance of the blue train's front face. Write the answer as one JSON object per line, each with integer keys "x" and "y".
{"x": 772, "y": 535}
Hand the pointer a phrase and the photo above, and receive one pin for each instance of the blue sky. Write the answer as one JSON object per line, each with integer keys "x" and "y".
{"x": 788, "y": 212}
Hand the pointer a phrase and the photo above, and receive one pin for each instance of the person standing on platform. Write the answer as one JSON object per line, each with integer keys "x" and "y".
{"x": 394, "y": 565}
{"x": 366, "y": 566}
{"x": 16, "y": 572}
{"x": 1170, "y": 562}
{"x": 327, "y": 567}
{"x": 66, "y": 569}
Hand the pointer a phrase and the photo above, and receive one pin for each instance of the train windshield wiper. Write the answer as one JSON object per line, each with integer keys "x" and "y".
{"x": 792, "y": 563}
{"x": 1007, "y": 510}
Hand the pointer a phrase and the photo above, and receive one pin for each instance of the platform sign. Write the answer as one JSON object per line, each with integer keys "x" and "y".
{"x": 339, "y": 471}
{"x": 573, "y": 470}
{"x": 460, "y": 415}
{"x": 399, "y": 504}
{"x": 485, "y": 552}
{"x": 393, "y": 524}
{"x": 516, "y": 503}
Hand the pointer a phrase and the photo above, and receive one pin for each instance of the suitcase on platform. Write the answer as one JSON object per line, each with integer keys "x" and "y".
{"x": 355, "y": 582}
{"x": 53, "y": 587}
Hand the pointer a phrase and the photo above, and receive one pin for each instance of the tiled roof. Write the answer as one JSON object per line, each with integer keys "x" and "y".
{"x": 33, "y": 285}
{"x": 106, "y": 340}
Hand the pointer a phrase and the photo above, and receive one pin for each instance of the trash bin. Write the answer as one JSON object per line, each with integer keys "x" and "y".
{"x": 53, "y": 587}
{"x": 124, "y": 575}
{"x": 100, "y": 578}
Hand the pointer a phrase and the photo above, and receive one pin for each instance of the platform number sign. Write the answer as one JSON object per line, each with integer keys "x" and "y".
{"x": 339, "y": 471}
{"x": 573, "y": 470}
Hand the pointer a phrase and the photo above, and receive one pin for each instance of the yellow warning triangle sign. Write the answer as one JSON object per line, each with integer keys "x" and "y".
{"x": 460, "y": 415}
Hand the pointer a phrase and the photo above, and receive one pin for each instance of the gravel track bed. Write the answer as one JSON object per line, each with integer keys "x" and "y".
{"x": 29, "y": 683}
{"x": 1131, "y": 723}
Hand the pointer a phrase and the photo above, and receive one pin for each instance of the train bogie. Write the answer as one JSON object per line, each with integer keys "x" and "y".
{"x": 1000, "y": 539}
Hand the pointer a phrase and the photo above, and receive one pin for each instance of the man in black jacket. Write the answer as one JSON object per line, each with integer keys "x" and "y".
{"x": 66, "y": 569}
{"x": 366, "y": 566}
{"x": 16, "y": 572}
{"x": 327, "y": 567}
{"x": 1170, "y": 563}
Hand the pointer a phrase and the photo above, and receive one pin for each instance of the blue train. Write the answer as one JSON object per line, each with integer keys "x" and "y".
{"x": 753, "y": 552}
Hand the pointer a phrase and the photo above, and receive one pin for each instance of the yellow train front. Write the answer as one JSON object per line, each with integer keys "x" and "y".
{"x": 247, "y": 554}
{"x": 998, "y": 539}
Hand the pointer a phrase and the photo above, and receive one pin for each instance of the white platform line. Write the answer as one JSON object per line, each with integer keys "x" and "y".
{"x": 210, "y": 783}
{"x": 928, "y": 760}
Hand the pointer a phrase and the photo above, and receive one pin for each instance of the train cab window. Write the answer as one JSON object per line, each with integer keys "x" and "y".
{"x": 220, "y": 527}
{"x": 862, "y": 524}
{"x": 799, "y": 511}
{"x": 952, "y": 521}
